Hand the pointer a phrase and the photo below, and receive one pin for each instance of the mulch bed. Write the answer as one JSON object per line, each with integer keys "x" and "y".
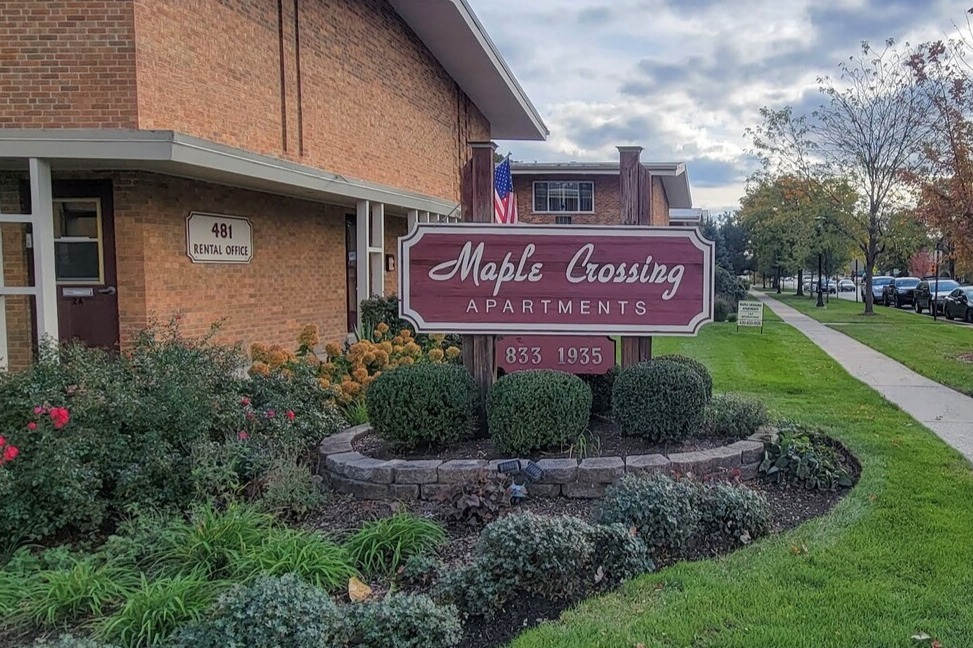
{"x": 603, "y": 439}
{"x": 790, "y": 506}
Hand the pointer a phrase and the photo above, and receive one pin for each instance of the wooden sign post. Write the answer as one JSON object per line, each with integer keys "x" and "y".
{"x": 635, "y": 190}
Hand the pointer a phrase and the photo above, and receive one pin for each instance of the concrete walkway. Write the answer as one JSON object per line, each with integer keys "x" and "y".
{"x": 946, "y": 412}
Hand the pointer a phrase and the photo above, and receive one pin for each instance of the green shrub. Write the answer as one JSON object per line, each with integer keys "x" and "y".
{"x": 312, "y": 557}
{"x": 803, "y": 456}
{"x": 152, "y": 612}
{"x": 83, "y": 590}
{"x": 731, "y": 317}
{"x": 663, "y": 511}
{"x": 404, "y": 621}
{"x": 423, "y": 404}
{"x": 290, "y": 490}
{"x": 537, "y": 410}
{"x": 601, "y": 389}
{"x": 217, "y": 470}
{"x": 419, "y": 571}
{"x": 730, "y": 416}
{"x": 729, "y": 287}
{"x": 380, "y": 547}
{"x": 662, "y": 401}
{"x": 13, "y": 590}
{"x": 696, "y": 366}
{"x": 69, "y": 641}
{"x": 619, "y": 553}
{"x": 530, "y": 555}
{"x": 272, "y": 612}
{"x": 135, "y": 421}
{"x": 379, "y": 309}
{"x": 734, "y": 511}
{"x": 722, "y": 309}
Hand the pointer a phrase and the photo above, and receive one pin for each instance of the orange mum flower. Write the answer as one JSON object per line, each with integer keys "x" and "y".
{"x": 309, "y": 336}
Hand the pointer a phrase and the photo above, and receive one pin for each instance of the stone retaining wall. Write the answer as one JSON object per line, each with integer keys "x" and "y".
{"x": 352, "y": 472}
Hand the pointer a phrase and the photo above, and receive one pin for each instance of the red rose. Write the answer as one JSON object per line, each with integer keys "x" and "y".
{"x": 243, "y": 436}
{"x": 244, "y": 401}
{"x": 271, "y": 413}
{"x": 10, "y": 453}
{"x": 59, "y": 417}
{"x": 39, "y": 410}
{"x": 2, "y": 441}
{"x": 32, "y": 426}
{"x": 290, "y": 414}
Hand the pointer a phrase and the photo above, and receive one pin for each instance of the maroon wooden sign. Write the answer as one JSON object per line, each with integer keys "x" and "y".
{"x": 491, "y": 279}
{"x": 570, "y": 353}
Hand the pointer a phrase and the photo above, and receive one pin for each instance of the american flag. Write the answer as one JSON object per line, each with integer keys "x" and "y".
{"x": 504, "y": 198}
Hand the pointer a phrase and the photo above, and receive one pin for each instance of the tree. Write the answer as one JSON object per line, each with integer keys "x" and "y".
{"x": 867, "y": 132}
{"x": 945, "y": 179}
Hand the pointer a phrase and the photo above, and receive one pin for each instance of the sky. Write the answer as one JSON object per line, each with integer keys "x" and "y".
{"x": 685, "y": 78}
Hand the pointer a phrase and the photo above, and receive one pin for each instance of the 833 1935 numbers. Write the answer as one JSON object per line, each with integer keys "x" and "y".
{"x": 573, "y": 354}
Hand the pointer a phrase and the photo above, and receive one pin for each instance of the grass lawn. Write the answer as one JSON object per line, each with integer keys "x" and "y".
{"x": 927, "y": 347}
{"x": 892, "y": 560}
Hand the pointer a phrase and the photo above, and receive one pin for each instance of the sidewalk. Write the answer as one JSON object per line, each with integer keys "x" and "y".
{"x": 946, "y": 412}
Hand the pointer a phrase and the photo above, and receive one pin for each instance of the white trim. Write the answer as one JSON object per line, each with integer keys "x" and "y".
{"x": 45, "y": 281}
{"x": 705, "y": 315}
{"x": 362, "y": 284}
{"x": 16, "y": 218}
{"x": 4, "y": 351}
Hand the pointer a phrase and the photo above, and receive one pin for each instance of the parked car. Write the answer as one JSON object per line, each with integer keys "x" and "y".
{"x": 877, "y": 284}
{"x": 959, "y": 304}
{"x": 899, "y": 292}
{"x": 924, "y": 297}
{"x": 846, "y": 285}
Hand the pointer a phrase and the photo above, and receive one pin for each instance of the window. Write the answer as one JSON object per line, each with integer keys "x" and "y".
{"x": 77, "y": 241}
{"x": 550, "y": 196}
{"x": 562, "y": 220}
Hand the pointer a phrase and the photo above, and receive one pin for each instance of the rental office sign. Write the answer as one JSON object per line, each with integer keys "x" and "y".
{"x": 483, "y": 279}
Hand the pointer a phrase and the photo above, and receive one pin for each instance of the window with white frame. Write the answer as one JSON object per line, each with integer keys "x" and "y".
{"x": 78, "y": 256}
{"x": 564, "y": 197}
{"x": 562, "y": 220}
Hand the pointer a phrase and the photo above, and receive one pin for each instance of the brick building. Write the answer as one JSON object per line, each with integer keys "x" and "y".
{"x": 589, "y": 193}
{"x": 245, "y": 160}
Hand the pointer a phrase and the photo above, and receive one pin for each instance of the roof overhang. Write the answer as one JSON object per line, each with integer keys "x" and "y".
{"x": 674, "y": 177}
{"x": 175, "y": 154}
{"x": 454, "y": 35}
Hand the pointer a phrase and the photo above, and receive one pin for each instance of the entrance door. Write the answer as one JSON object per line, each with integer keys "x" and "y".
{"x": 351, "y": 269}
{"x": 84, "y": 263}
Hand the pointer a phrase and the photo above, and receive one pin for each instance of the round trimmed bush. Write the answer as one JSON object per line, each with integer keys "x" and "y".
{"x": 662, "y": 401}
{"x": 663, "y": 511}
{"x": 535, "y": 410}
{"x": 696, "y": 366}
{"x": 423, "y": 405}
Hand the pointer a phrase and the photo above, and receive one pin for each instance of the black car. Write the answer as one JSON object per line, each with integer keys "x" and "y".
{"x": 959, "y": 304}
{"x": 899, "y": 291}
{"x": 877, "y": 284}
{"x": 924, "y": 298}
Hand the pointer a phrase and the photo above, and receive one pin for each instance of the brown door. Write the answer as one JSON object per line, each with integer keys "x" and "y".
{"x": 351, "y": 272}
{"x": 84, "y": 263}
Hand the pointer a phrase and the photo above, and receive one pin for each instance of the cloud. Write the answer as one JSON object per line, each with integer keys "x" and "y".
{"x": 684, "y": 78}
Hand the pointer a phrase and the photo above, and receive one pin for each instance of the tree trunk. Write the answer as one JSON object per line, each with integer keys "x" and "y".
{"x": 871, "y": 254}
{"x": 800, "y": 282}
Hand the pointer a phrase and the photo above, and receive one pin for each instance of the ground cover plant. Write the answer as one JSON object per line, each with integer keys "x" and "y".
{"x": 890, "y": 562}
{"x": 940, "y": 351}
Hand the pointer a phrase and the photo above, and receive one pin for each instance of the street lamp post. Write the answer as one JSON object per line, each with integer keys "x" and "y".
{"x": 820, "y": 303}
{"x": 934, "y": 304}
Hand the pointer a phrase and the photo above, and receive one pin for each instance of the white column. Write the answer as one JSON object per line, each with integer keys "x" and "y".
{"x": 42, "y": 217}
{"x": 412, "y": 220}
{"x": 362, "y": 239}
{"x": 3, "y": 313}
{"x": 376, "y": 249}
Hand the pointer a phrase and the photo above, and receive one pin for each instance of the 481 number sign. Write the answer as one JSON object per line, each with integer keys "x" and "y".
{"x": 573, "y": 354}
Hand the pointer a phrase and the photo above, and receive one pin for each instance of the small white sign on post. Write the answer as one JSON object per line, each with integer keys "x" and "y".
{"x": 213, "y": 238}
{"x": 750, "y": 313}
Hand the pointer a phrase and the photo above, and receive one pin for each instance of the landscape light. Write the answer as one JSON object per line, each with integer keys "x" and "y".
{"x": 508, "y": 467}
{"x": 532, "y": 471}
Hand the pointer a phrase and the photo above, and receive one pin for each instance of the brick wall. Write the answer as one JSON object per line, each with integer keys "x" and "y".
{"x": 67, "y": 63}
{"x": 296, "y": 277}
{"x": 374, "y": 102}
{"x": 14, "y": 267}
{"x": 608, "y": 210}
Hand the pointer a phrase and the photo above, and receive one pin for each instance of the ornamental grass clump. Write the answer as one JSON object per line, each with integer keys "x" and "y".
{"x": 537, "y": 410}
{"x": 380, "y": 547}
{"x": 310, "y": 556}
{"x": 423, "y": 405}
